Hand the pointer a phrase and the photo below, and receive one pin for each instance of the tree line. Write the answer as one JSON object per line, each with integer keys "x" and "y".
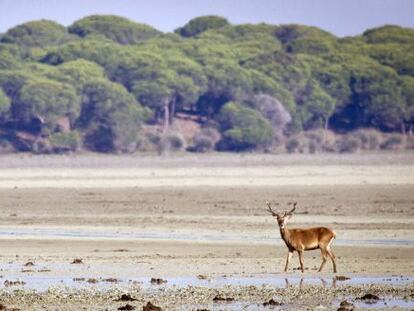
{"x": 109, "y": 84}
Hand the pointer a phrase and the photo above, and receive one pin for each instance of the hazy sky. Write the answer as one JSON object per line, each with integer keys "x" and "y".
{"x": 341, "y": 17}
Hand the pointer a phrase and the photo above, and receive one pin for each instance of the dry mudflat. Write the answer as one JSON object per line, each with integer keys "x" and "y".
{"x": 78, "y": 232}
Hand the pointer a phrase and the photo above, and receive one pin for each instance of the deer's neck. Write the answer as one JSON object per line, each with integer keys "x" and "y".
{"x": 285, "y": 234}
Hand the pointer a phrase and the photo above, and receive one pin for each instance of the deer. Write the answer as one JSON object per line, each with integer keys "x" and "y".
{"x": 301, "y": 240}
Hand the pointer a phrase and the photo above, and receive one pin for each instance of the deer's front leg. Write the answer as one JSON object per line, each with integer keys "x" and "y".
{"x": 301, "y": 261}
{"x": 289, "y": 257}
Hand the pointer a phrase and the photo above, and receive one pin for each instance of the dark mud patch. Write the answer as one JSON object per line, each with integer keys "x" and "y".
{"x": 150, "y": 307}
{"x": 127, "y": 307}
{"x": 219, "y": 298}
{"x": 272, "y": 302}
{"x": 342, "y": 278}
{"x": 369, "y": 298}
{"x": 345, "y": 306}
{"x": 125, "y": 297}
{"x": 8, "y": 283}
{"x": 158, "y": 281}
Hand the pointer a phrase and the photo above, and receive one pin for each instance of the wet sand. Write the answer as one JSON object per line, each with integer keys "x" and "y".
{"x": 131, "y": 219}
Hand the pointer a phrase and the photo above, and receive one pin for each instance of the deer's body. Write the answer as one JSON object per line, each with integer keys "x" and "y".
{"x": 306, "y": 239}
{"x": 301, "y": 240}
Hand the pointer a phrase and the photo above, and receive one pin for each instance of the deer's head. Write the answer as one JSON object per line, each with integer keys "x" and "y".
{"x": 281, "y": 218}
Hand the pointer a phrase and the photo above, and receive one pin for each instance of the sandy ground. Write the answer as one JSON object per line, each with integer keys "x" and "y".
{"x": 129, "y": 219}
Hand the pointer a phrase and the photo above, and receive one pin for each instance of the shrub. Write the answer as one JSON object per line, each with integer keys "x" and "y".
{"x": 176, "y": 141}
{"x": 6, "y": 146}
{"x": 409, "y": 144}
{"x": 313, "y": 147}
{"x": 348, "y": 144}
{"x": 148, "y": 142}
{"x": 369, "y": 139}
{"x": 173, "y": 141}
{"x": 273, "y": 110}
{"x": 315, "y": 140}
{"x": 205, "y": 140}
{"x": 202, "y": 144}
{"x": 312, "y": 142}
{"x": 393, "y": 142}
{"x": 42, "y": 146}
{"x": 329, "y": 141}
{"x": 63, "y": 142}
{"x": 243, "y": 128}
{"x": 278, "y": 141}
{"x": 316, "y": 135}
{"x": 153, "y": 138}
{"x": 292, "y": 145}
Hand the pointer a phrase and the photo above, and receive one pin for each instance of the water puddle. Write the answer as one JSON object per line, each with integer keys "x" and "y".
{"x": 177, "y": 236}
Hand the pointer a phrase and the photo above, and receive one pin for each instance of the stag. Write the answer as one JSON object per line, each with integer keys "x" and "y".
{"x": 301, "y": 240}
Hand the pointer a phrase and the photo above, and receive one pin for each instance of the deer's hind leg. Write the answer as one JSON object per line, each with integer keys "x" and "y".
{"x": 331, "y": 255}
{"x": 325, "y": 255}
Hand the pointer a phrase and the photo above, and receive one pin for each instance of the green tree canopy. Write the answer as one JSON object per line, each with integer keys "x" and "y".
{"x": 116, "y": 28}
{"x": 315, "y": 106}
{"x": 11, "y": 81}
{"x": 201, "y": 24}
{"x": 80, "y": 72}
{"x": 226, "y": 81}
{"x": 47, "y": 99}
{"x": 389, "y": 34}
{"x": 101, "y": 51}
{"x": 36, "y": 33}
{"x": 9, "y": 57}
{"x": 4, "y": 105}
{"x": 400, "y": 58}
{"x": 209, "y": 72}
{"x": 376, "y": 97}
{"x": 110, "y": 116}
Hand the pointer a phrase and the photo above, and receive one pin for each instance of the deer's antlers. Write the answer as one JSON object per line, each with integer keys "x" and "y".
{"x": 293, "y": 209}
{"x": 269, "y": 209}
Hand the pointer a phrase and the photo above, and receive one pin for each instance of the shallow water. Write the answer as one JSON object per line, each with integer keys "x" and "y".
{"x": 136, "y": 235}
{"x": 381, "y": 304}
{"x": 245, "y": 305}
{"x": 42, "y": 283}
{"x": 387, "y": 302}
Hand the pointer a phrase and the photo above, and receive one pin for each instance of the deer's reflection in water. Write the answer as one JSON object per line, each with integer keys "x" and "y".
{"x": 324, "y": 282}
